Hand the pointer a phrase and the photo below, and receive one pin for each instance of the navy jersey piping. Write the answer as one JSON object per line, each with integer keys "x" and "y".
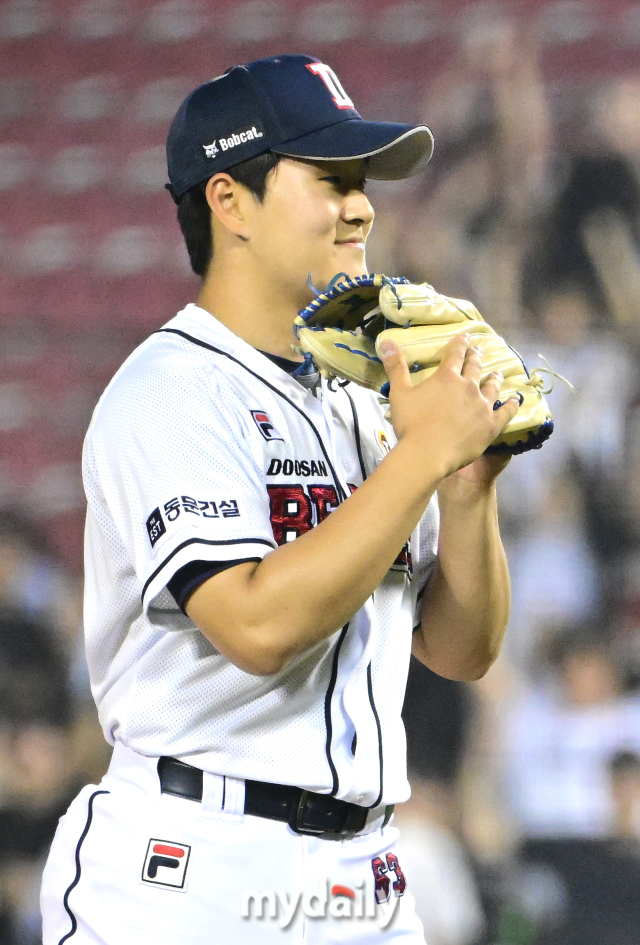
{"x": 356, "y": 432}
{"x": 327, "y": 710}
{"x": 379, "y": 728}
{"x": 204, "y": 541}
{"x": 204, "y": 344}
{"x": 76, "y": 879}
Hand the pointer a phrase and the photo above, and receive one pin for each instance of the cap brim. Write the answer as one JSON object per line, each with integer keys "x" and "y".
{"x": 393, "y": 150}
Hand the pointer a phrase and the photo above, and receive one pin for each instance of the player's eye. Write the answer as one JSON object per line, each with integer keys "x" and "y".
{"x": 340, "y": 183}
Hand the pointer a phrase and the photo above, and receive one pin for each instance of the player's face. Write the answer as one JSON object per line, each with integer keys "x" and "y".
{"x": 315, "y": 220}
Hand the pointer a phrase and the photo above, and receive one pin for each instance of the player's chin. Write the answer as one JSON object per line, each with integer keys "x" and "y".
{"x": 350, "y": 258}
{"x": 352, "y": 262}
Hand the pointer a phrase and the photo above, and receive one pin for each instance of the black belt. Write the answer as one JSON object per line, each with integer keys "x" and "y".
{"x": 317, "y": 815}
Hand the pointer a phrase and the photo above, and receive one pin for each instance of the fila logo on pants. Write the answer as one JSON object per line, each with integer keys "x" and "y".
{"x": 166, "y": 864}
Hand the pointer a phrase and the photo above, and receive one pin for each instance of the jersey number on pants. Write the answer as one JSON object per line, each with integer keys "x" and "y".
{"x": 292, "y": 509}
{"x": 383, "y": 883}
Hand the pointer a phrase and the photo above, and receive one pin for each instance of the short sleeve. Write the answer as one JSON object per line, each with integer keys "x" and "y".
{"x": 425, "y": 553}
{"x": 171, "y": 464}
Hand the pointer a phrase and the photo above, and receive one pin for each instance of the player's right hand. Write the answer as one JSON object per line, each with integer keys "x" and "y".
{"x": 450, "y": 416}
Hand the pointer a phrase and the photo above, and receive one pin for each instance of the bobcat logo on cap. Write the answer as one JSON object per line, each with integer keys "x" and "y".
{"x": 210, "y": 150}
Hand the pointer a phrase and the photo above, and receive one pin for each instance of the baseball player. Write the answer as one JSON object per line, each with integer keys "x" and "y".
{"x": 263, "y": 552}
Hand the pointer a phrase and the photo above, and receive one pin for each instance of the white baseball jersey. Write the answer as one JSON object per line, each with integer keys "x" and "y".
{"x": 203, "y": 449}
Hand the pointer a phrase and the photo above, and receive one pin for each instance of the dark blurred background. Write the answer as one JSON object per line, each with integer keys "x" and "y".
{"x": 524, "y": 826}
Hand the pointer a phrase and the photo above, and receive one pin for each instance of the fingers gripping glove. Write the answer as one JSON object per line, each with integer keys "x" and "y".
{"x": 342, "y": 329}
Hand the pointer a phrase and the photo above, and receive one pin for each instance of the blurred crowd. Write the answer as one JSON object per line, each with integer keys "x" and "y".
{"x": 50, "y": 740}
{"x": 524, "y": 824}
{"x": 527, "y": 832}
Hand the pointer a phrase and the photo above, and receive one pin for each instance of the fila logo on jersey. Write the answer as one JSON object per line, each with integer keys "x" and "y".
{"x": 234, "y": 139}
{"x": 265, "y": 426}
{"x": 166, "y": 864}
{"x": 332, "y": 82}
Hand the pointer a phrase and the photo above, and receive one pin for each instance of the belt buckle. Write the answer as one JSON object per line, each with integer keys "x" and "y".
{"x": 297, "y": 824}
{"x": 298, "y": 819}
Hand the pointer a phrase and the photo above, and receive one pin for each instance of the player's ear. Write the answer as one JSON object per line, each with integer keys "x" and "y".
{"x": 226, "y": 198}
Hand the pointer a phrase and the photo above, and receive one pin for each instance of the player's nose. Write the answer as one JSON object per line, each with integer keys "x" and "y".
{"x": 357, "y": 209}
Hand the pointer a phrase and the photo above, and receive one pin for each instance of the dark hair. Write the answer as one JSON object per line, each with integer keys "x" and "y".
{"x": 194, "y": 213}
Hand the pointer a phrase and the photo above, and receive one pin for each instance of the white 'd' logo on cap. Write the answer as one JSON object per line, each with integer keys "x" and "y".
{"x": 210, "y": 150}
{"x": 332, "y": 82}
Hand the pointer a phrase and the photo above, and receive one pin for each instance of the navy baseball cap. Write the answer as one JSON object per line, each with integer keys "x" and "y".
{"x": 293, "y": 105}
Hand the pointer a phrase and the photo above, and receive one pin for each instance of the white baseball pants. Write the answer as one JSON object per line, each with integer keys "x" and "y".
{"x": 131, "y": 866}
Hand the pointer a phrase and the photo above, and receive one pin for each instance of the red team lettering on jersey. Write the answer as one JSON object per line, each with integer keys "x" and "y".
{"x": 292, "y": 514}
{"x": 292, "y": 509}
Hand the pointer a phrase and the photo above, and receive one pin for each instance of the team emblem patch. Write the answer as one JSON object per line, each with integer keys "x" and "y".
{"x": 383, "y": 441}
{"x": 166, "y": 864}
{"x": 155, "y": 526}
{"x": 265, "y": 426}
{"x": 332, "y": 82}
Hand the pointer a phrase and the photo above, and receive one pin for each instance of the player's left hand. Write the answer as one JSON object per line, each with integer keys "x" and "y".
{"x": 482, "y": 472}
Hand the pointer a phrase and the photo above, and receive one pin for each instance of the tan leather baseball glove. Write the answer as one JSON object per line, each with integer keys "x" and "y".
{"x": 342, "y": 329}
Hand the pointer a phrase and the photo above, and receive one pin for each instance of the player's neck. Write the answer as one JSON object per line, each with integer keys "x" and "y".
{"x": 251, "y": 308}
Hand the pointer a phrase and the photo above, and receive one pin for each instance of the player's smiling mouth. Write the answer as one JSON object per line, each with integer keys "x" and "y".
{"x": 354, "y": 241}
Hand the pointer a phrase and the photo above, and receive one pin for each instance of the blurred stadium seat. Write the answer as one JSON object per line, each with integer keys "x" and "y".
{"x": 16, "y": 165}
{"x": 98, "y": 19}
{"x": 402, "y": 24}
{"x": 51, "y": 248}
{"x": 76, "y": 169}
{"x": 173, "y": 21}
{"x": 333, "y": 21}
{"x": 158, "y": 100}
{"x": 144, "y": 171}
{"x": 89, "y": 99}
{"x": 255, "y": 22}
{"x": 23, "y": 19}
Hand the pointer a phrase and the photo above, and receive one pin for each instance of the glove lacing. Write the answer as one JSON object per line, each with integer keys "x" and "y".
{"x": 536, "y": 381}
